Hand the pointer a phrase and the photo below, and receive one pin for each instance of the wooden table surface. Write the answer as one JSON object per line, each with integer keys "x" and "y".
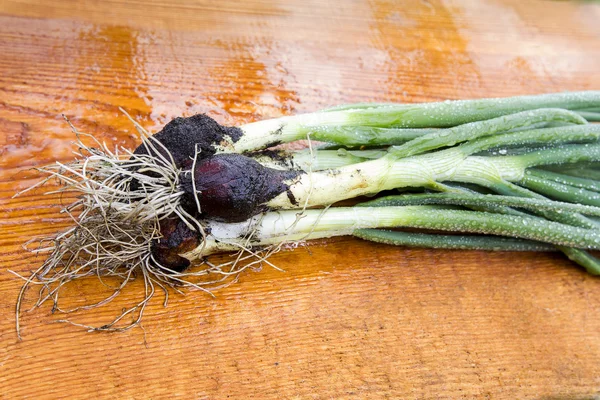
{"x": 347, "y": 319}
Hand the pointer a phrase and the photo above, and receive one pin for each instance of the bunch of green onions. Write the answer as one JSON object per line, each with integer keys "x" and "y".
{"x": 514, "y": 174}
{"x": 519, "y": 172}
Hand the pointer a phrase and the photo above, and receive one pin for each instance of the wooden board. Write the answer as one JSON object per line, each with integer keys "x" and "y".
{"x": 347, "y": 319}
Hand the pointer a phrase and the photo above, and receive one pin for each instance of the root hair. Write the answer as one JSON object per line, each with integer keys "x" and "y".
{"x": 121, "y": 199}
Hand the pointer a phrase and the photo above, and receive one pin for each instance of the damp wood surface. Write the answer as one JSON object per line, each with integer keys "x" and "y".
{"x": 346, "y": 318}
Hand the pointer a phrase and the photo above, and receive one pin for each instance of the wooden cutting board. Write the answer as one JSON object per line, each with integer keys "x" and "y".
{"x": 346, "y": 318}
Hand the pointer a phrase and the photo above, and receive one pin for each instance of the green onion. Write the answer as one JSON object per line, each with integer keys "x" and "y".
{"x": 260, "y": 134}
{"x": 282, "y": 226}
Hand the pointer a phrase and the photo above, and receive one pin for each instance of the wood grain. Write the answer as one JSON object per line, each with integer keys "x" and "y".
{"x": 347, "y": 319}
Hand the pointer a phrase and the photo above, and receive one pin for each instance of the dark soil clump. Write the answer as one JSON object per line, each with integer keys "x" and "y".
{"x": 182, "y": 136}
